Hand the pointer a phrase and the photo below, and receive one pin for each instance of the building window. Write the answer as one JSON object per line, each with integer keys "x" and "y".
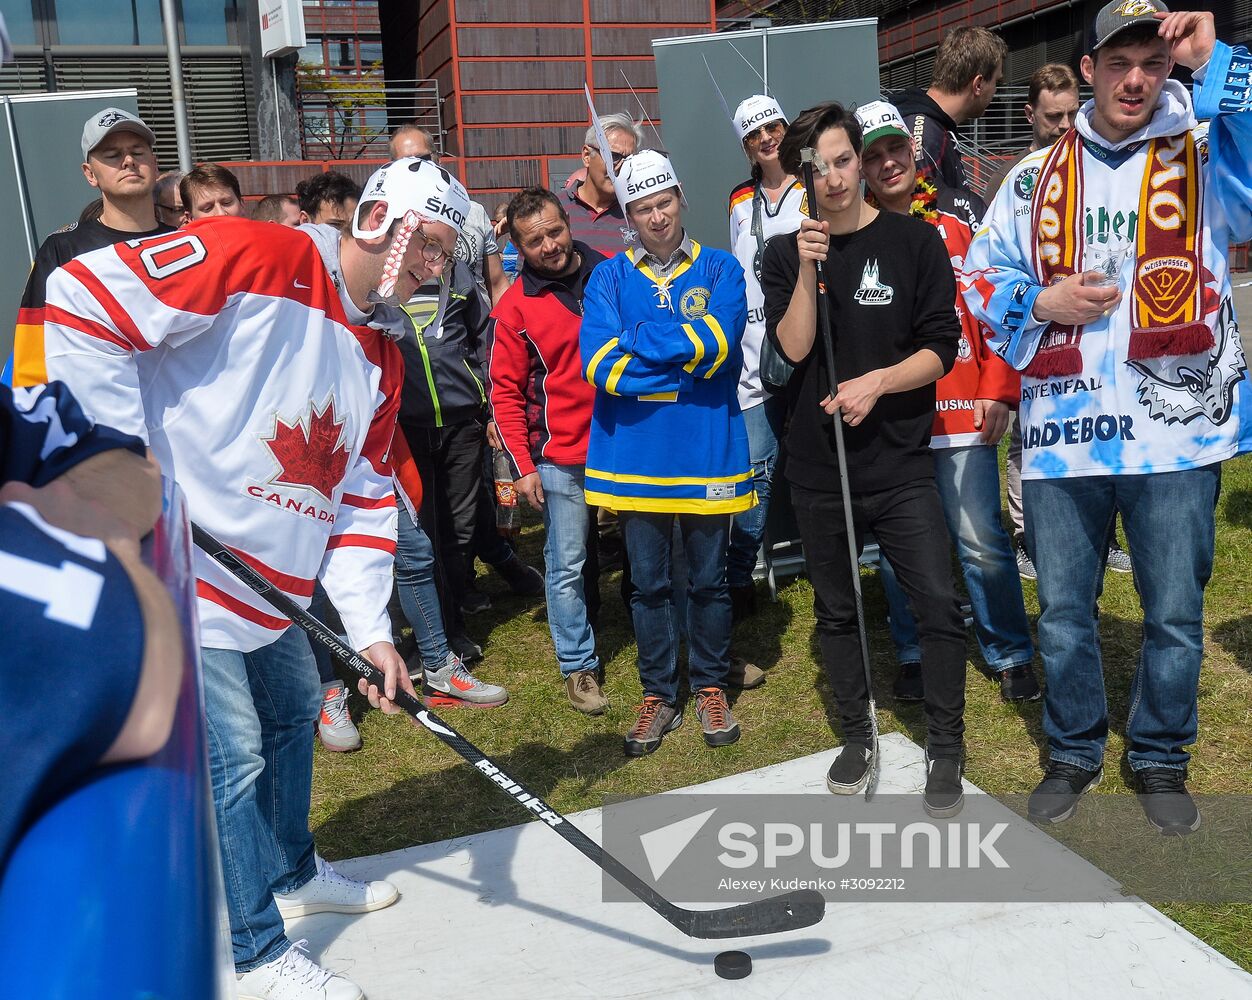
{"x": 108, "y": 22}
{"x": 206, "y": 22}
{"x": 20, "y": 21}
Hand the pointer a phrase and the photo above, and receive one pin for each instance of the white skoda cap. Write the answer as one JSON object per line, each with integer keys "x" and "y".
{"x": 413, "y": 185}
{"x": 755, "y": 111}
{"x": 642, "y": 174}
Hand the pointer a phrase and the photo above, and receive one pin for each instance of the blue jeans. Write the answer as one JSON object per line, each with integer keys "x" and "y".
{"x": 764, "y": 424}
{"x": 1169, "y": 522}
{"x": 419, "y": 596}
{"x": 969, "y": 489}
{"x": 566, "y": 523}
{"x": 259, "y": 710}
{"x": 649, "y": 545}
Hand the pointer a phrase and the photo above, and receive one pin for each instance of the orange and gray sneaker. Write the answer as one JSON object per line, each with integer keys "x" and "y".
{"x": 452, "y": 685}
{"x": 719, "y": 725}
{"x": 335, "y": 727}
{"x": 656, "y": 718}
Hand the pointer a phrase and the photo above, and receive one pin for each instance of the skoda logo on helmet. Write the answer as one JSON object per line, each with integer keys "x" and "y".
{"x": 444, "y": 212}
{"x": 649, "y": 182}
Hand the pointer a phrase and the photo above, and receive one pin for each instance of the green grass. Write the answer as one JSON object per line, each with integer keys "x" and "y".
{"x": 405, "y": 788}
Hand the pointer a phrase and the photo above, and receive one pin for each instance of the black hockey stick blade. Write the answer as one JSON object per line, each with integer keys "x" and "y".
{"x": 788, "y": 912}
{"x": 766, "y": 916}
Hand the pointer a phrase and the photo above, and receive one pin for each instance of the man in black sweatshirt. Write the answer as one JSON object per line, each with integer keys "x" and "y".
{"x": 968, "y": 67}
{"x": 895, "y": 333}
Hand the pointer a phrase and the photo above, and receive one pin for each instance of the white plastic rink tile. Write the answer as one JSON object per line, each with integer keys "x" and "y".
{"x": 516, "y": 914}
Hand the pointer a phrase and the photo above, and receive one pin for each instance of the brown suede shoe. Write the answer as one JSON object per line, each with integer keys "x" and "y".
{"x": 743, "y": 674}
{"x": 583, "y": 689}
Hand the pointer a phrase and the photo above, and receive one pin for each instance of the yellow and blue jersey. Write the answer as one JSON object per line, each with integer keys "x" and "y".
{"x": 664, "y": 355}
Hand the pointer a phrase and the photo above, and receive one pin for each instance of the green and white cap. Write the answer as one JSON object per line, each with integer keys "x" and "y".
{"x": 879, "y": 119}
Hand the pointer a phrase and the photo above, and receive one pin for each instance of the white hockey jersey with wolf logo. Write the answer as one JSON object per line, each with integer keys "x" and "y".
{"x": 1120, "y": 417}
{"x": 225, "y": 346}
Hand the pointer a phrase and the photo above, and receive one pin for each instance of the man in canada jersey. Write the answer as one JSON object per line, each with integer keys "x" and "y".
{"x": 227, "y": 347}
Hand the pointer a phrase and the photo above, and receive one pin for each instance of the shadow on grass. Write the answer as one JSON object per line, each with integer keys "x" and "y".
{"x": 458, "y": 800}
{"x": 1238, "y": 507}
{"x": 1235, "y": 636}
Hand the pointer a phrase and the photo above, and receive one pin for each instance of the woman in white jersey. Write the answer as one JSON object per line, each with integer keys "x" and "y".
{"x": 768, "y": 205}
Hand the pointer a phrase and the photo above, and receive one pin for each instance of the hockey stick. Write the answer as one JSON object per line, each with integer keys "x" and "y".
{"x": 787, "y": 912}
{"x": 809, "y": 157}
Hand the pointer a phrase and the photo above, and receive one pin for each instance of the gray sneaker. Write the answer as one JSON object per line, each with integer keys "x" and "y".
{"x": 656, "y": 718}
{"x": 717, "y": 722}
{"x": 1025, "y": 568}
{"x": 453, "y": 685}
{"x": 1119, "y": 560}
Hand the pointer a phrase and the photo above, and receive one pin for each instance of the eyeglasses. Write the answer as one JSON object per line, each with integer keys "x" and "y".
{"x": 774, "y": 128}
{"x": 169, "y": 208}
{"x": 432, "y": 251}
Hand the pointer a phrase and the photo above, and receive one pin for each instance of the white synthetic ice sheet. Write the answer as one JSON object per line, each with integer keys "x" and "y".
{"x": 517, "y": 913}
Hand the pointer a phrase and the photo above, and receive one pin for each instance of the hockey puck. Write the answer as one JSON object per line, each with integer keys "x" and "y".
{"x": 733, "y": 965}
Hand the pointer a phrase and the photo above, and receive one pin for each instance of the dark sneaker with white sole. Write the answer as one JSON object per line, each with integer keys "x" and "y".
{"x": 1019, "y": 684}
{"x": 850, "y": 771}
{"x": 1166, "y": 802}
{"x": 716, "y": 721}
{"x": 1119, "y": 560}
{"x": 908, "y": 683}
{"x": 656, "y": 718}
{"x": 1025, "y": 566}
{"x": 944, "y": 795}
{"x": 523, "y": 580}
{"x": 1055, "y": 798}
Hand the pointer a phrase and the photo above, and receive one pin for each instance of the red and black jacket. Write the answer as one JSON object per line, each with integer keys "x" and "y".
{"x": 539, "y": 399}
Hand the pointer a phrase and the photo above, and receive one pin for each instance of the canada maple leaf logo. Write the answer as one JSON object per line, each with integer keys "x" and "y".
{"x": 310, "y": 451}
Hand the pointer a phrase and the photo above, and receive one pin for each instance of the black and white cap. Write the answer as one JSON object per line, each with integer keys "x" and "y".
{"x": 105, "y": 123}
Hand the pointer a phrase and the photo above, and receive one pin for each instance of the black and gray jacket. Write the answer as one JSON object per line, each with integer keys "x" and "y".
{"x": 445, "y": 352}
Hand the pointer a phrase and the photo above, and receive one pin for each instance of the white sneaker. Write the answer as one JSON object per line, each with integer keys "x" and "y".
{"x": 294, "y": 976}
{"x": 330, "y": 892}
{"x": 334, "y": 725}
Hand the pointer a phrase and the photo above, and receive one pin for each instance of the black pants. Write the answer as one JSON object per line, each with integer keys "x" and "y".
{"x": 450, "y": 461}
{"x": 908, "y": 523}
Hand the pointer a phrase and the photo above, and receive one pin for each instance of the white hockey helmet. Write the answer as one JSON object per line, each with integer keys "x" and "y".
{"x": 414, "y": 190}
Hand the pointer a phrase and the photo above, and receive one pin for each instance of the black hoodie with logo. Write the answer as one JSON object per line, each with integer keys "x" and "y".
{"x": 934, "y": 138}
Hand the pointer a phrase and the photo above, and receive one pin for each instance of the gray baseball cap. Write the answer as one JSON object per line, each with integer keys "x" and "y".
{"x": 110, "y": 120}
{"x": 1118, "y": 15}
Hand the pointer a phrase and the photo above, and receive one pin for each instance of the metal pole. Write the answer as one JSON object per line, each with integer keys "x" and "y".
{"x": 176, "y": 85}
